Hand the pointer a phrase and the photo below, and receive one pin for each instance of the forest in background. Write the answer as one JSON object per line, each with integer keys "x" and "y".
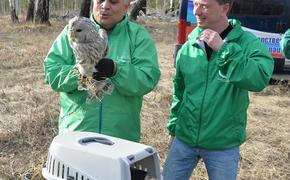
{"x": 60, "y": 7}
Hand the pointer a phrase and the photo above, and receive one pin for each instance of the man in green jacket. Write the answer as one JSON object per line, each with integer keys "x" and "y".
{"x": 215, "y": 69}
{"x": 285, "y": 44}
{"x": 131, "y": 51}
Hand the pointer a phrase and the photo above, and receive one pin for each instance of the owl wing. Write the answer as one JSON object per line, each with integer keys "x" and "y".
{"x": 103, "y": 40}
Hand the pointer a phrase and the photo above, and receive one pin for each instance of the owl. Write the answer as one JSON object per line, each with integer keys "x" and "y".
{"x": 89, "y": 45}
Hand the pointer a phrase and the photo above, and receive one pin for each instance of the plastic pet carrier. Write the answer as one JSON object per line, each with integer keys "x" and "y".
{"x": 93, "y": 156}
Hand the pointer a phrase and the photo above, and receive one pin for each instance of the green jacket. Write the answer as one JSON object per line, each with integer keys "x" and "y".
{"x": 132, "y": 48}
{"x": 210, "y": 98}
{"x": 285, "y": 44}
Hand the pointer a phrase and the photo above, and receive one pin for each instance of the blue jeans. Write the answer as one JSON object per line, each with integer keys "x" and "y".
{"x": 182, "y": 159}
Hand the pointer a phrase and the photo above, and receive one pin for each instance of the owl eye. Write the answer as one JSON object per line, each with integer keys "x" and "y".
{"x": 78, "y": 30}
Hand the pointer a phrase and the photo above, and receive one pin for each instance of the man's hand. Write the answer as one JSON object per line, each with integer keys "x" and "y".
{"x": 212, "y": 39}
{"x": 105, "y": 68}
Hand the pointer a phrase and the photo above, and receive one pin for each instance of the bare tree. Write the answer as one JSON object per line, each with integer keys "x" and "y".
{"x": 63, "y": 7}
{"x": 5, "y": 7}
{"x": 42, "y": 12}
{"x": 85, "y": 8}
{"x": 13, "y": 10}
{"x": 30, "y": 10}
{"x": 173, "y": 6}
{"x": 75, "y": 5}
{"x": 139, "y": 5}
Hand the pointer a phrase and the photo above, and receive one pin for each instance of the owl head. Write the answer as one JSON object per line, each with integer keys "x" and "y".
{"x": 83, "y": 30}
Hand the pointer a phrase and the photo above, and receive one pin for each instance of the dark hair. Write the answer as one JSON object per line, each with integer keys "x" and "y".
{"x": 226, "y": 1}
{"x": 231, "y": 2}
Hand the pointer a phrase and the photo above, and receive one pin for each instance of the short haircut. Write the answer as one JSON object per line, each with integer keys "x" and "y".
{"x": 231, "y": 2}
{"x": 226, "y": 1}
{"x": 125, "y": 1}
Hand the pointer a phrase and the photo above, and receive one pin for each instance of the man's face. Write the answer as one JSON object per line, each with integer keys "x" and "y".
{"x": 209, "y": 13}
{"x": 109, "y": 12}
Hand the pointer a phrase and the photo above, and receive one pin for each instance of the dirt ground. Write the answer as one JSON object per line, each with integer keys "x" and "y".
{"x": 29, "y": 108}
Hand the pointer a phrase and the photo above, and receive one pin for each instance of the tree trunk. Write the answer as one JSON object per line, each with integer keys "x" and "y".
{"x": 140, "y": 5}
{"x": 75, "y": 5}
{"x": 156, "y": 5}
{"x": 42, "y": 12}
{"x": 85, "y": 8}
{"x": 171, "y": 7}
{"x": 2, "y": 6}
{"x": 30, "y": 10}
{"x": 63, "y": 7}
{"x": 13, "y": 10}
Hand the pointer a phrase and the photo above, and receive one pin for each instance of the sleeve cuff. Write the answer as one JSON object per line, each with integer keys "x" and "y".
{"x": 223, "y": 53}
{"x": 171, "y": 129}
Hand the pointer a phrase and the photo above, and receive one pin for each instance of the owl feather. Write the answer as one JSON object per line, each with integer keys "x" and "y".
{"x": 89, "y": 45}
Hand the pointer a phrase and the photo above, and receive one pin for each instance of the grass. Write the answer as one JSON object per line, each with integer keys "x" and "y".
{"x": 29, "y": 108}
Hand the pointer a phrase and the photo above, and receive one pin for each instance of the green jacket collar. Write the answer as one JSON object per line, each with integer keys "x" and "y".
{"x": 118, "y": 26}
{"x": 193, "y": 37}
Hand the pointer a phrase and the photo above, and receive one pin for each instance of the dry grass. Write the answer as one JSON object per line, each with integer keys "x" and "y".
{"x": 29, "y": 108}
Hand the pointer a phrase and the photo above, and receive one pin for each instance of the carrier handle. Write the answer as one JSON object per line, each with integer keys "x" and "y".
{"x": 85, "y": 141}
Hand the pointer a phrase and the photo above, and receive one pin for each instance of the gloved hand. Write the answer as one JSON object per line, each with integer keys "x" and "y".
{"x": 105, "y": 68}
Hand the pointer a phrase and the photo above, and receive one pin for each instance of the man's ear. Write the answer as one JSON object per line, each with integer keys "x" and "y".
{"x": 127, "y": 5}
{"x": 226, "y": 8}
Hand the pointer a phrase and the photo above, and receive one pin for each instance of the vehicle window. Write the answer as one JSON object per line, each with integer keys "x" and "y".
{"x": 190, "y": 18}
{"x": 264, "y": 7}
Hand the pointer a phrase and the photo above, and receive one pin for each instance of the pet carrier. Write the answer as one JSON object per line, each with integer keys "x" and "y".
{"x": 93, "y": 156}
